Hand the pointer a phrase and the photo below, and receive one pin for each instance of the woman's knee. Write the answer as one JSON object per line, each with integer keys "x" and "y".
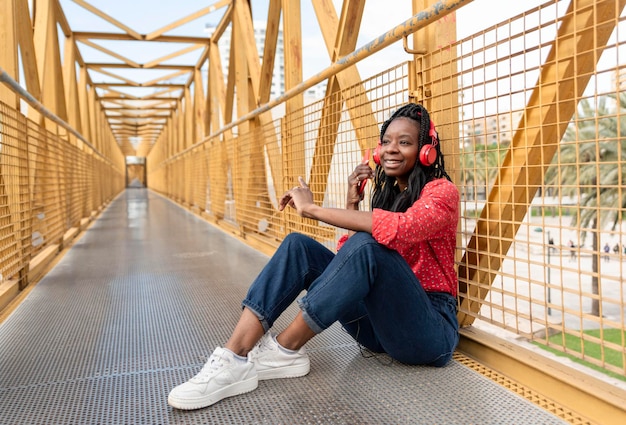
{"x": 296, "y": 241}
{"x": 361, "y": 238}
{"x": 294, "y": 238}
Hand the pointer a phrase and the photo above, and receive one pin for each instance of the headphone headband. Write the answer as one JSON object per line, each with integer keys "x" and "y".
{"x": 431, "y": 131}
{"x": 433, "y": 134}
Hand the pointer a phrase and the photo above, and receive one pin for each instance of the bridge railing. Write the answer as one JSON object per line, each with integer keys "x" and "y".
{"x": 52, "y": 183}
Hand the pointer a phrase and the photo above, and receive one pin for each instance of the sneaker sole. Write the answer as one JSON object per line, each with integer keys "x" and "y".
{"x": 210, "y": 399}
{"x": 293, "y": 371}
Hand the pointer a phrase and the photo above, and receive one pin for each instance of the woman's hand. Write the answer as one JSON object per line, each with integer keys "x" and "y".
{"x": 361, "y": 173}
{"x": 300, "y": 197}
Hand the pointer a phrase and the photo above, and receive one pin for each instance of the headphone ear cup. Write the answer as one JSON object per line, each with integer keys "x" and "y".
{"x": 428, "y": 155}
{"x": 376, "y": 155}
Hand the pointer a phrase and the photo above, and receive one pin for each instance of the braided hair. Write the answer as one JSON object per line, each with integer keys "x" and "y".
{"x": 387, "y": 194}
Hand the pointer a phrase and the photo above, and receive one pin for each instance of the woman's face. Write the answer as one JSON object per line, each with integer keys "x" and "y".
{"x": 399, "y": 149}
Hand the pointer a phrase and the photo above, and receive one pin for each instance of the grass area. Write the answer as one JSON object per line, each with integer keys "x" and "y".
{"x": 591, "y": 349}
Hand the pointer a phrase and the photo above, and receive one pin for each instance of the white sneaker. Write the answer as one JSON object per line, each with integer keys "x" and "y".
{"x": 272, "y": 362}
{"x": 222, "y": 376}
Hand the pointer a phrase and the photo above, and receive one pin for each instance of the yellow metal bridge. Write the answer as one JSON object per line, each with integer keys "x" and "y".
{"x": 137, "y": 155}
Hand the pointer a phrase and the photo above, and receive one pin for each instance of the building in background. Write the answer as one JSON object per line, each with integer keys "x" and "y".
{"x": 492, "y": 129}
{"x": 278, "y": 77}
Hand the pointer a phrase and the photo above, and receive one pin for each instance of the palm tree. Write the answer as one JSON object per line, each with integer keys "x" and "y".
{"x": 590, "y": 166}
{"x": 479, "y": 167}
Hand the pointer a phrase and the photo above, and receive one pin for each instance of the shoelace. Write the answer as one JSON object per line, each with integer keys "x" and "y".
{"x": 210, "y": 367}
{"x": 261, "y": 346}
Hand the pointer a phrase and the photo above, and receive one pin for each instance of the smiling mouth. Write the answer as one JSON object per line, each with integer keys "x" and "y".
{"x": 392, "y": 162}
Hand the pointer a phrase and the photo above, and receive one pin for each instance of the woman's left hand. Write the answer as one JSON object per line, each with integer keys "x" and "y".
{"x": 298, "y": 197}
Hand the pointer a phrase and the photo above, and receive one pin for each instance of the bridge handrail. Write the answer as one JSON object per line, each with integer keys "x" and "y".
{"x": 39, "y": 107}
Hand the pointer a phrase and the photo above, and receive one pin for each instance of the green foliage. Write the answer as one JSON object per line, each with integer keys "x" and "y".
{"x": 552, "y": 211}
{"x": 479, "y": 167}
{"x": 590, "y": 162}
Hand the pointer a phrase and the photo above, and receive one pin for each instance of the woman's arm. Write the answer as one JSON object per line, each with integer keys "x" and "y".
{"x": 301, "y": 198}
{"x": 358, "y": 221}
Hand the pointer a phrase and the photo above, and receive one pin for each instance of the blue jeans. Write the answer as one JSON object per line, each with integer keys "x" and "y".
{"x": 368, "y": 288}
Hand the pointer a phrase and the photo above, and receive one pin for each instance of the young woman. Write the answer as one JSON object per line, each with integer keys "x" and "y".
{"x": 392, "y": 284}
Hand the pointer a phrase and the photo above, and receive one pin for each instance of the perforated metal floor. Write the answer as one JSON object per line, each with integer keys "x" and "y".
{"x": 145, "y": 294}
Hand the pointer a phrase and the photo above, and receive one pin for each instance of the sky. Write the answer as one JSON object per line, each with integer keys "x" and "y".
{"x": 146, "y": 16}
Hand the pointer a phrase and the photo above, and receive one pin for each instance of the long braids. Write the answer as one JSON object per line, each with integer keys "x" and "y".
{"x": 386, "y": 193}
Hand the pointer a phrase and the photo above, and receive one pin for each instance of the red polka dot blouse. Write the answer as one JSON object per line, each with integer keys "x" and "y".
{"x": 425, "y": 235}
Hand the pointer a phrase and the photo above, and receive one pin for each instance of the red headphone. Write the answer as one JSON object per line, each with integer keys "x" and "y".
{"x": 428, "y": 153}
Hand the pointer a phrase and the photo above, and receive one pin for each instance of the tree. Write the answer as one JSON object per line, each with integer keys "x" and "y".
{"x": 590, "y": 166}
{"x": 479, "y": 168}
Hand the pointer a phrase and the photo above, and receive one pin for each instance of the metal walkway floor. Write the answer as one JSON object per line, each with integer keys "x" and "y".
{"x": 141, "y": 298}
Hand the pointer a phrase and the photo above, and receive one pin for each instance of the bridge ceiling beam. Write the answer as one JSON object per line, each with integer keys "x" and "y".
{"x": 112, "y": 80}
